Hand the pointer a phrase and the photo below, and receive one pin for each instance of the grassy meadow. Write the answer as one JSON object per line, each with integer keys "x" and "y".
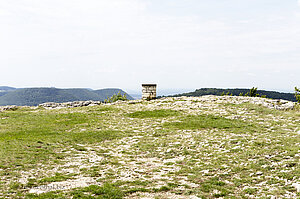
{"x": 166, "y": 148}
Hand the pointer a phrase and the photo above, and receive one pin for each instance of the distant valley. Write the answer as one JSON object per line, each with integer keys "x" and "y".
{"x": 35, "y": 96}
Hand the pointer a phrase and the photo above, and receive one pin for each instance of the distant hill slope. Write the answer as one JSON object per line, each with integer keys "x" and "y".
{"x": 3, "y": 93}
{"x": 35, "y": 96}
{"x": 83, "y": 94}
{"x": 237, "y": 91}
{"x": 6, "y": 88}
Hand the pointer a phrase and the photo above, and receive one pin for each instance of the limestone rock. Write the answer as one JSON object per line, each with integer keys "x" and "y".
{"x": 51, "y": 105}
{"x": 8, "y": 108}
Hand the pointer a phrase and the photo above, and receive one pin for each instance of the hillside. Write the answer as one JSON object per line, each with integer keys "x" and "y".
{"x": 6, "y": 88}
{"x": 181, "y": 148}
{"x": 35, "y": 96}
{"x": 3, "y": 93}
{"x": 237, "y": 91}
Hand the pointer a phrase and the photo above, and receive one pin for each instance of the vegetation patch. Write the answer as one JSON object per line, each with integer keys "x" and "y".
{"x": 154, "y": 114}
{"x": 196, "y": 122}
{"x": 106, "y": 191}
{"x": 58, "y": 177}
{"x": 36, "y": 137}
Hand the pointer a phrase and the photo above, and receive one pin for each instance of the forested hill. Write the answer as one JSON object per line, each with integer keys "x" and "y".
{"x": 237, "y": 91}
{"x": 35, "y": 96}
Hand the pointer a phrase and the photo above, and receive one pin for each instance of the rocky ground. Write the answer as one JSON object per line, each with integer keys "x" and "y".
{"x": 248, "y": 148}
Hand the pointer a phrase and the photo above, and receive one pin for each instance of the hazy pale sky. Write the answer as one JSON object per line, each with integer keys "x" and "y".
{"x": 174, "y": 43}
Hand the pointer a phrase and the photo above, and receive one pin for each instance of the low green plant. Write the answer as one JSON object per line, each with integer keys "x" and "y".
{"x": 250, "y": 191}
{"x": 215, "y": 183}
{"x": 227, "y": 94}
{"x": 116, "y": 97}
{"x": 58, "y": 177}
{"x": 106, "y": 191}
{"x": 162, "y": 189}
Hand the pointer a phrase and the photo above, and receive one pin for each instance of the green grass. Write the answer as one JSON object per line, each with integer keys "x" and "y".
{"x": 48, "y": 195}
{"x": 39, "y": 137}
{"x": 106, "y": 191}
{"x": 196, "y": 122}
{"x": 154, "y": 114}
{"x": 58, "y": 177}
{"x": 250, "y": 191}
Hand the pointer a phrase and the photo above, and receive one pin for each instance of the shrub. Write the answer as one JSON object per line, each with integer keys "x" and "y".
{"x": 227, "y": 94}
{"x": 297, "y": 94}
{"x": 252, "y": 92}
{"x": 116, "y": 97}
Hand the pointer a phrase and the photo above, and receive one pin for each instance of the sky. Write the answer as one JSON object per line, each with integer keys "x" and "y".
{"x": 178, "y": 44}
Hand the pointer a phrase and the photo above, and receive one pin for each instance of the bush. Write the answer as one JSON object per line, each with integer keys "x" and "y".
{"x": 116, "y": 97}
{"x": 252, "y": 92}
{"x": 227, "y": 94}
{"x": 297, "y": 94}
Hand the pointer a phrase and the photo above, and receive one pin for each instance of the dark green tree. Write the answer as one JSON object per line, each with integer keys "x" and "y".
{"x": 297, "y": 94}
{"x": 253, "y": 92}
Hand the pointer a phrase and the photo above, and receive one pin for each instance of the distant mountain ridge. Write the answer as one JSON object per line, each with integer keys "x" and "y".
{"x": 237, "y": 91}
{"x": 6, "y": 88}
{"x": 35, "y": 96}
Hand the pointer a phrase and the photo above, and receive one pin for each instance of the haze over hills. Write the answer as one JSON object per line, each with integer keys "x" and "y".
{"x": 237, "y": 91}
{"x": 6, "y": 88}
{"x": 35, "y": 96}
